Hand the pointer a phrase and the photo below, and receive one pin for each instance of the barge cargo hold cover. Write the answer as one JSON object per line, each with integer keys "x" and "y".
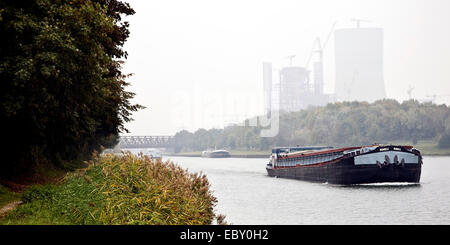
{"x": 346, "y": 166}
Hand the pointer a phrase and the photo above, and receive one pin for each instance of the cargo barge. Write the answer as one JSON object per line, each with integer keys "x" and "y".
{"x": 216, "y": 154}
{"x": 347, "y": 166}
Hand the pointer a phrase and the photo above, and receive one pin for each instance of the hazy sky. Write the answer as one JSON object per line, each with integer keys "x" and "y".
{"x": 198, "y": 64}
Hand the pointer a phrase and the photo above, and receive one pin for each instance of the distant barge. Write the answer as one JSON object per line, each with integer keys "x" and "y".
{"x": 216, "y": 154}
{"x": 346, "y": 166}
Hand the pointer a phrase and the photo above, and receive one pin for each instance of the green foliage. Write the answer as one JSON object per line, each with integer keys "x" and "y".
{"x": 62, "y": 94}
{"x": 444, "y": 141}
{"x": 120, "y": 190}
{"x": 7, "y": 196}
{"x": 338, "y": 124}
{"x": 142, "y": 191}
{"x": 38, "y": 192}
{"x": 71, "y": 202}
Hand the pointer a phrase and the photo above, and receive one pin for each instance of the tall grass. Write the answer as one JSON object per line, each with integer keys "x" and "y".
{"x": 121, "y": 190}
{"x": 141, "y": 191}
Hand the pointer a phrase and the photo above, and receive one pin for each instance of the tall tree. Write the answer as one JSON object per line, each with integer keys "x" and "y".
{"x": 62, "y": 90}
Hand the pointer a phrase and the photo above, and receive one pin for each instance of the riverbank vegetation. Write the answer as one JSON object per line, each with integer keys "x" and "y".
{"x": 338, "y": 124}
{"x": 7, "y": 196}
{"x": 120, "y": 190}
{"x": 62, "y": 98}
{"x": 62, "y": 92}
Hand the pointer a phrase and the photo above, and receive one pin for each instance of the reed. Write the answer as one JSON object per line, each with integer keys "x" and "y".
{"x": 143, "y": 191}
{"x": 125, "y": 189}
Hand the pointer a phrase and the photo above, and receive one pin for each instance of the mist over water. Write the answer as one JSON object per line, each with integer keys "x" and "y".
{"x": 246, "y": 195}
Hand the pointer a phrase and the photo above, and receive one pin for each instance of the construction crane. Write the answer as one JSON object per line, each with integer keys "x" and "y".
{"x": 318, "y": 49}
{"x": 410, "y": 89}
{"x": 290, "y": 57}
{"x": 358, "y": 22}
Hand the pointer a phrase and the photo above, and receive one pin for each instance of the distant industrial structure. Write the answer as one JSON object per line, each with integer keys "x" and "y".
{"x": 267, "y": 86}
{"x": 358, "y": 77}
{"x": 359, "y": 64}
{"x": 294, "y": 91}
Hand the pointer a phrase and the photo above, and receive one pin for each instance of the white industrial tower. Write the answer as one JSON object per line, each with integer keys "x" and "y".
{"x": 359, "y": 64}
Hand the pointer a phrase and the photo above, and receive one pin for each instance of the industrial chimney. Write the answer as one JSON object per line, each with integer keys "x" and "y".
{"x": 267, "y": 86}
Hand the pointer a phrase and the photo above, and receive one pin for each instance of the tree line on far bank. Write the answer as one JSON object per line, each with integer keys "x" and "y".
{"x": 337, "y": 124}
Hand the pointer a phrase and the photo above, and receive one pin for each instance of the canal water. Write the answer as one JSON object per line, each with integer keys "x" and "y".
{"x": 246, "y": 195}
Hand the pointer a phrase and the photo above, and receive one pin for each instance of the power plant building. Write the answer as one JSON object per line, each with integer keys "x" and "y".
{"x": 359, "y": 64}
{"x": 294, "y": 92}
{"x": 294, "y": 88}
{"x": 358, "y": 77}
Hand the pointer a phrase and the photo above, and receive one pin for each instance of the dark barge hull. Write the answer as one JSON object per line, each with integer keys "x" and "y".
{"x": 345, "y": 172}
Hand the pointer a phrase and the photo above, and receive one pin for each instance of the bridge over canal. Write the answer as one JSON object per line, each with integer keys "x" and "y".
{"x": 145, "y": 142}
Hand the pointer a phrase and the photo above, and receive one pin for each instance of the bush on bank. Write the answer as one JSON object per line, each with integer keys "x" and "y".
{"x": 120, "y": 190}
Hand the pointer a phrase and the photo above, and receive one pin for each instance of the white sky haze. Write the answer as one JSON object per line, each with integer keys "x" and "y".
{"x": 198, "y": 63}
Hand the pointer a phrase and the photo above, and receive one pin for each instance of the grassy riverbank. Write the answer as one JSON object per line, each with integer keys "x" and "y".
{"x": 119, "y": 190}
